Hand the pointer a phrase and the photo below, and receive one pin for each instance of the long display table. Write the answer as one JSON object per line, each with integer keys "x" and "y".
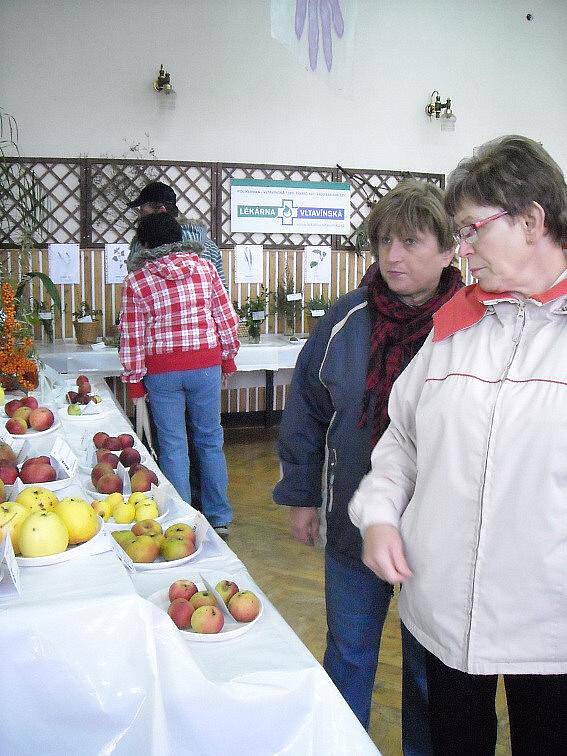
{"x": 92, "y": 667}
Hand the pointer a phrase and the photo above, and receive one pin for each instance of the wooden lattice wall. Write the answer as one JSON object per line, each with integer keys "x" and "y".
{"x": 87, "y": 204}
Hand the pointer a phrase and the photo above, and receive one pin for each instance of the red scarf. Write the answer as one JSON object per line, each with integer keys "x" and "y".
{"x": 398, "y": 333}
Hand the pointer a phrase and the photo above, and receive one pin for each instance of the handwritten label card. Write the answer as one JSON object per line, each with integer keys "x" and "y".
{"x": 64, "y": 264}
{"x": 121, "y": 554}
{"x": 296, "y": 297}
{"x": 115, "y": 262}
{"x": 9, "y": 571}
{"x": 66, "y": 457}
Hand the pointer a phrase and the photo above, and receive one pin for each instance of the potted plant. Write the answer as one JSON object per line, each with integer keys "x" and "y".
{"x": 86, "y": 323}
{"x": 253, "y": 313}
{"x": 315, "y": 308}
{"x": 42, "y": 313}
{"x": 287, "y": 303}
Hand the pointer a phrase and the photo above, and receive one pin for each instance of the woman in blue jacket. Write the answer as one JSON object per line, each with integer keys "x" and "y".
{"x": 336, "y": 412}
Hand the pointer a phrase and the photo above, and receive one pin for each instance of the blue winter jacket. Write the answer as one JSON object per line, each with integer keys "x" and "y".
{"x": 323, "y": 453}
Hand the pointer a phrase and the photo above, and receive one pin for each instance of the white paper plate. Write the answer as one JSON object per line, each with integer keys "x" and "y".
{"x": 30, "y": 434}
{"x": 231, "y": 628}
{"x": 72, "y": 552}
{"x": 64, "y": 415}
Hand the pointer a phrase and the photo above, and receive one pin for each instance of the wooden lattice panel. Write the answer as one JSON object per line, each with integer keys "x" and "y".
{"x": 275, "y": 173}
{"x": 115, "y": 183}
{"x": 371, "y": 186}
{"x": 59, "y": 182}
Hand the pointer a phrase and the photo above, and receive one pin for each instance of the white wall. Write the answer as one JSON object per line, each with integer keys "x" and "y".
{"x": 77, "y": 75}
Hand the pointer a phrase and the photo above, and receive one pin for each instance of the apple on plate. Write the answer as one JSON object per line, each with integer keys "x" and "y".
{"x": 126, "y": 440}
{"x": 7, "y": 453}
{"x": 203, "y": 598}
{"x": 123, "y": 537}
{"x": 226, "y": 589}
{"x": 143, "y": 479}
{"x": 43, "y": 534}
{"x": 109, "y": 483}
{"x": 103, "y": 508}
{"x": 30, "y": 401}
{"x": 207, "y": 619}
{"x": 12, "y": 406}
{"x": 182, "y": 589}
{"x": 181, "y": 531}
{"x": 130, "y": 456}
{"x": 173, "y": 549}
{"x": 22, "y": 413}
{"x": 79, "y": 518}
{"x": 147, "y": 510}
{"x": 112, "y": 444}
{"x": 37, "y": 498}
{"x": 144, "y": 549}
{"x": 180, "y": 610}
{"x": 41, "y": 419}
{"x": 99, "y": 439}
{"x": 8, "y": 472}
{"x": 12, "y": 515}
{"x": 100, "y": 469}
{"x": 147, "y": 527}
{"x": 244, "y": 606}
{"x": 123, "y": 513}
{"x": 16, "y": 426}
{"x": 38, "y": 473}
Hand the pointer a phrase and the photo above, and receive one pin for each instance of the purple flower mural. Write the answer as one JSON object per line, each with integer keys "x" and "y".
{"x": 323, "y": 15}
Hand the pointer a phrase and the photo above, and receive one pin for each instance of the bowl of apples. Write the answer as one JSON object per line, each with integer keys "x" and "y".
{"x": 151, "y": 545}
{"x": 26, "y": 417}
{"x": 204, "y": 613}
{"x": 81, "y": 402}
{"x": 122, "y": 513}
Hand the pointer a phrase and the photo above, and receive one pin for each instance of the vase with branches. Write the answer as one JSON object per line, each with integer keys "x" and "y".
{"x": 253, "y": 312}
{"x": 288, "y": 302}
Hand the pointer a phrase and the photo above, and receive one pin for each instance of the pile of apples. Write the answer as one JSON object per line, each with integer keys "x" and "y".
{"x": 138, "y": 507}
{"x": 146, "y": 541}
{"x": 25, "y": 414}
{"x": 33, "y": 470}
{"x": 39, "y": 524}
{"x": 103, "y": 476}
{"x": 80, "y": 397}
{"x": 198, "y": 610}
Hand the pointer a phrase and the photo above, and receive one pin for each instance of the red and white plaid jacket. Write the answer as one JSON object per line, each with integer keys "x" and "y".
{"x": 176, "y": 315}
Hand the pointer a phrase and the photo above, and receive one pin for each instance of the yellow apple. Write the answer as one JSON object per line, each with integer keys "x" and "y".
{"x": 12, "y": 516}
{"x": 147, "y": 510}
{"x": 79, "y": 519}
{"x": 36, "y": 498}
{"x": 124, "y": 513}
{"x": 43, "y": 534}
{"x": 136, "y": 498}
{"x": 114, "y": 500}
{"x": 102, "y": 508}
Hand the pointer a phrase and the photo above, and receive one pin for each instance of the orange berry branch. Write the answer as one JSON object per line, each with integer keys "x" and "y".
{"x": 16, "y": 348}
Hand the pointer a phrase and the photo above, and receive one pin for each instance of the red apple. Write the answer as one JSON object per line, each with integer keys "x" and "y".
{"x": 8, "y": 472}
{"x": 11, "y": 407}
{"x": 41, "y": 419}
{"x": 109, "y": 483}
{"x": 203, "y": 598}
{"x": 102, "y": 468}
{"x": 244, "y": 606}
{"x": 207, "y": 619}
{"x": 43, "y": 460}
{"x": 182, "y": 589}
{"x": 16, "y": 426}
{"x": 84, "y": 388}
{"x": 142, "y": 480}
{"x": 81, "y": 379}
{"x": 129, "y": 456}
{"x": 99, "y": 439}
{"x": 71, "y": 397}
{"x": 181, "y": 611}
{"x": 37, "y": 474}
{"x": 126, "y": 440}
{"x": 30, "y": 401}
{"x": 103, "y": 455}
{"x": 112, "y": 444}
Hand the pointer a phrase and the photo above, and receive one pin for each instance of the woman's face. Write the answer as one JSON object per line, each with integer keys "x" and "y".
{"x": 498, "y": 256}
{"x": 411, "y": 266}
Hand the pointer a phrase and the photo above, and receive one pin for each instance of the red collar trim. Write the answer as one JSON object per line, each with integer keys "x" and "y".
{"x": 461, "y": 311}
{"x": 468, "y": 306}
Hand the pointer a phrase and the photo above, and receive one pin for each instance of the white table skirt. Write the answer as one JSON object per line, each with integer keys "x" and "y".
{"x": 91, "y": 667}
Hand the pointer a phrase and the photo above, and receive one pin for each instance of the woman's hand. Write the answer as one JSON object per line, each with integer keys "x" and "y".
{"x": 304, "y": 524}
{"x": 383, "y": 553}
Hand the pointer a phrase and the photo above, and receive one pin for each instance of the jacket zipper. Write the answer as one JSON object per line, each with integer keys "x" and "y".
{"x": 331, "y": 478}
{"x": 518, "y": 329}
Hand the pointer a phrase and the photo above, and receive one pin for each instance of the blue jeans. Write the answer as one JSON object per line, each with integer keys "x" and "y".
{"x": 357, "y": 602}
{"x": 198, "y": 390}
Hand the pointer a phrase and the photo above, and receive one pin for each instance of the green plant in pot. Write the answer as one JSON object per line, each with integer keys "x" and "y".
{"x": 287, "y": 303}
{"x": 253, "y": 312}
{"x": 315, "y": 308}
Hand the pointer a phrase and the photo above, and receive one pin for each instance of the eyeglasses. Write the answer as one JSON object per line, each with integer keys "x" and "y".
{"x": 470, "y": 233}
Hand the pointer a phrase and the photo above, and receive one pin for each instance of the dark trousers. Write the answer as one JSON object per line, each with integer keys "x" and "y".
{"x": 462, "y": 714}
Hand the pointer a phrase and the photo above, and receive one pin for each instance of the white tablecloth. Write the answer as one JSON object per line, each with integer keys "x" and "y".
{"x": 91, "y": 667}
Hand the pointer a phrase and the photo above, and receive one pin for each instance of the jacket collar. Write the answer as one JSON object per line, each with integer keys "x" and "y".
{"x": 469, "y": 306}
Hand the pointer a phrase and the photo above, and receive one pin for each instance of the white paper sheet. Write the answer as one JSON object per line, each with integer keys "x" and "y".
{"x": 316, "y": 265}
{"x": 115, "y": 262}
{"x": 64, "y": 264}
{"x": 248, "y": 263}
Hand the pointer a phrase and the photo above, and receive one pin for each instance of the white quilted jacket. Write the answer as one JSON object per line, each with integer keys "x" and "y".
{"x": 473, "y": 470}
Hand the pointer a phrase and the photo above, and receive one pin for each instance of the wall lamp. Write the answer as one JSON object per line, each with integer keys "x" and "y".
{"x": 435, "y": 108}
{"x": 165, "y": 90}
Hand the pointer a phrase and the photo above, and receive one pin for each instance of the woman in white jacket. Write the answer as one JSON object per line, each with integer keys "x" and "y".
{"x": 466, "y": 502}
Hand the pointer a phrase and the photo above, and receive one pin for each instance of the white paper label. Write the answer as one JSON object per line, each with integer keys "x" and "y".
{"x": 258, "y": 315}
{"x": 317, "y": 313}
{"x": 85, "y": 319}
{"x": 294, "y": 297}
{"x": 66, "y": 457}
{"x": 45, "y": 316}
{"x": 219, "y": 599}
{"x": 10, "y": 572}
{"x": 122, "y": 555}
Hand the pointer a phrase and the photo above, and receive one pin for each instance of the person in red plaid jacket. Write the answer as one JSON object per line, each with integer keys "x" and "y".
{"x": 178, "y": 335}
